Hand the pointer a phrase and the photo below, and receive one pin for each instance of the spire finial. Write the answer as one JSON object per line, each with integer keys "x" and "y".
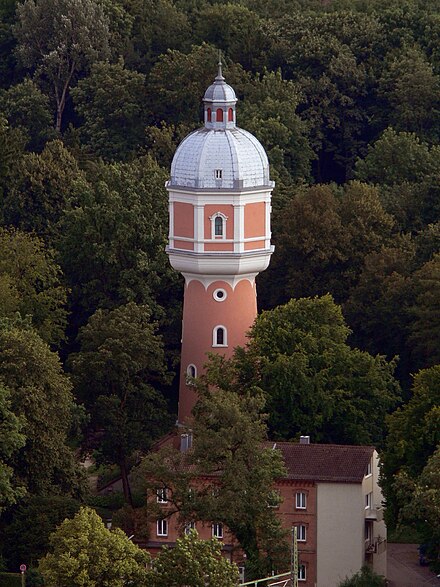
{"x": 220, "y": 65}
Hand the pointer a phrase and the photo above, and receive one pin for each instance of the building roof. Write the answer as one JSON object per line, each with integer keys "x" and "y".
{"x": 325, "y": 462}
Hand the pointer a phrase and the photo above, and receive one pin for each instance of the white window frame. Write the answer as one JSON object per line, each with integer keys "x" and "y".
{"x": 369, "y": 469}
{"x": 217, "y": 530}
{"x": 162, "y": 527}
{"x": 302, "y": 573}
{"x": 190, "y": 376}
{"x": 162, "y": 495}
{"x": 369, "y": 500}
{"x": 214, "y": 336}
{"x": 301, "y": 533}
{"x": 301, "y": 500}
{"x": 189, "y": 526}
{"x": 218, "y": 173}
{"x": 224, "y": 223}
{"x": 219, "y": 294}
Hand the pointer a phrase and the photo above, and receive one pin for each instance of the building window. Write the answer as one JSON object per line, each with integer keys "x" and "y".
{"x": 302, "y": 573}
{"x": 368, "y": 501}
{"x": 301, "y": 533}
{"x": 218, "y": 225}
{"x": 208, "y": 115}
{"x": 301, "y": 501}
{"x": 230, "y": 115}
{"x": 162, "y": 527}
{"x": 218, "y": 173}
{"x": 220, "y": 336}
{"x": 191, "y": 373}
{"x": 369, "y": 471}
{"x": 217, "y": 530}
{"x": 162, "y": 495}
{"x": 219, "y": 115}
{"x": 219, "y": 295}
{"x": 186, "y": 441}
{"x": 189, "y": 526}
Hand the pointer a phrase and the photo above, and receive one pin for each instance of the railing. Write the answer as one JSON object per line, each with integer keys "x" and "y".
{"x": 284, "y": 581}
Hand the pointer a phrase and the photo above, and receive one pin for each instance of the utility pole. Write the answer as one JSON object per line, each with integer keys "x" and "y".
{"x": 294, "y": 558}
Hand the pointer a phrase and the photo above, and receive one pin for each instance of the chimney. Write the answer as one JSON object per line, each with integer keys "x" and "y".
{"x": 304, "y": 439}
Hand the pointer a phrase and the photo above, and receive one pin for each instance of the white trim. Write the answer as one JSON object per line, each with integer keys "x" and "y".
{"x": 225, "y": 240}
{"x": 302, "y": 576}
{"x": 301, "y": 531}
{"x": 222, "y": 236}
{"x": 189, "y": 526}
{"x": 162, "y": 527}
{"x": 162, "y": 495}
{"x": 299, "y": 500}
{"x": 221, "y": 298}
{"x": 217, "y": 530}
{"x": 214, "y": 336}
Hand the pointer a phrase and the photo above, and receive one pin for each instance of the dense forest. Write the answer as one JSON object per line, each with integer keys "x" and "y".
{"x": 95, "y": 96}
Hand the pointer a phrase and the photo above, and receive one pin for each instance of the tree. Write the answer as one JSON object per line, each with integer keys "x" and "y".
{"x": 323, "y": 235}
{"x": 413, "y": 436}
{"x": 58, "y": 39}
{"x": 366, "y": 577}
{"x": 41, "y": 395}
{"x": 111, "y": 100}
{"x": 193, "y": 563}
{"x": 42, "y": 188}
{"x": 421, "y": 503}
{"x": 84, "y": 553}
{"x": 425, "y": 335}
{"x": 11, "y": 440}
{"x": 112, "y": 245}
{"x": 314, "y": 382}
{"x": 27, "y": 108}
{"x": 26, "y": 537}
{"x": 117, "y": 371}
{"x": 411, "y": 88}
{"x": 237, "y": 468}
{"x": 31, "y": 284}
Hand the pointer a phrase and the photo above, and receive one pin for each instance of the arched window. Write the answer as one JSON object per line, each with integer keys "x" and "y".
{"x": 208, "y": 115}
{"x": 218, "y": 226}
{"x": 230, "y": 115}
{"x": 220, "y": 336}
{"x": 219, "y": 115}
{"x": 191, "y": 374}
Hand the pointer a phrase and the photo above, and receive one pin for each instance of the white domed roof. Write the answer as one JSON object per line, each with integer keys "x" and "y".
{"x": 230, "y": 158}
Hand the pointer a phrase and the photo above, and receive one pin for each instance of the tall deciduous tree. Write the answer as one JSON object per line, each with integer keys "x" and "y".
{"x": 59, "y": 38}
{"x": 41, "y": 394}
{"x": 238, "y": 470}
{"x": 315, "y": 383}
{"x": 111, "y": 100}
{"x": 11, "y": 439}
{"x": 84, "y": 553}
{"x": 118, "y": 370}
{"x": 413, "y": 436}
{"x": 31, "y": 284}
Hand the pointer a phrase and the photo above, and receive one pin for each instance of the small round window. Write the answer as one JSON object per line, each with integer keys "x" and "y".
{"x": 219, "y": 295}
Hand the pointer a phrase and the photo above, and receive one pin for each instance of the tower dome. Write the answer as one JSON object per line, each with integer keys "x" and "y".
{"x": 220, "y": 155}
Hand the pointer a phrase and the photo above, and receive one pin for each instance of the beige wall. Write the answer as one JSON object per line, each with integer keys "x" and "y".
{"x": 340, "y": 532}
{"x": 378, "y": 559}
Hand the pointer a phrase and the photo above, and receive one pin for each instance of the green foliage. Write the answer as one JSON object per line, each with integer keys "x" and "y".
{"x": 26, "y": 538}
{"x": 193, "y": 563}
{"x": 10, "y": 579}
{"x": 421, "y": 504}
{"x": 42, "y": 188}
{"x": 366, "y": 577}
{"x": 57, "y": 39}
{"x": 238, "y": 470}
{"x": 41, "y": 396}
{"x": 117, "y": 371}
{"x": 11, "y": 440}
{"x": 313, "y": 380}
{"x": 413, "y": 436}
{"x": 28, "y": 109}
{"x": 84, "y": 553}
{"x": 112, "y": 246}
{"x": 111, "y": 100}
{"x": 30, "y": 284}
